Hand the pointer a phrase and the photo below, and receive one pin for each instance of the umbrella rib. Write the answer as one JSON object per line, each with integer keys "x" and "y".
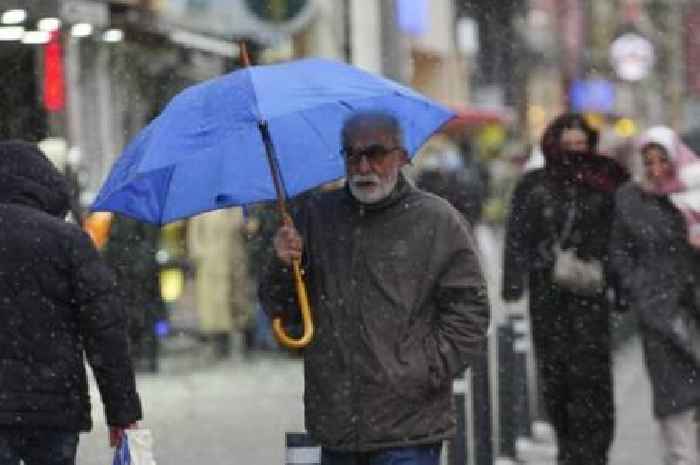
{"x": 167, "y": 195}
{"x": 315, "y": 130}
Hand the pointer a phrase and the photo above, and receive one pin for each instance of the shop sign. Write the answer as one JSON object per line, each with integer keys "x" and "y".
{"x": 264, "y": 20}
{"x": 84, "y": 11}
{"x": 593, "y": 95}
{"x": 632, "y": 56}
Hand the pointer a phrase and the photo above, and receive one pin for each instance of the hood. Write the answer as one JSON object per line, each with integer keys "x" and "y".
{"x": 27, "y": 177}
{"x": 663, "y": 136}
{"x": 684, "y": 189}
{"x": 685, "y": 161}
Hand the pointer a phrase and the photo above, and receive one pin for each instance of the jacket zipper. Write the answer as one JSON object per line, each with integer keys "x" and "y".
{"x": 358, "y": 246}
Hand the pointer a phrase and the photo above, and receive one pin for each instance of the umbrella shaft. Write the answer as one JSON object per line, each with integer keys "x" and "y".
{"x": 274, "y": 168}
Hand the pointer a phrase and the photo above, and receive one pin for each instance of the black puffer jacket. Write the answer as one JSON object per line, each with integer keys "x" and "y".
{"x": 57, "y": 302}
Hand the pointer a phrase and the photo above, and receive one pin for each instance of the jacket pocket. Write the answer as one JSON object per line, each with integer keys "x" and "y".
{"x": 414, "y": 377}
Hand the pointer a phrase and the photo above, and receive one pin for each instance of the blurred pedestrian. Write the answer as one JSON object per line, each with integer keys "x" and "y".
{"x": 556, "y": 246}
{"x": 222, "y": 286}
{"x": 399, "y": 301}
{"x": 656, "y": 252}
{"x": 261, "y": 225}
{"x": 59, "y": 302}
{"x": 445, "y": 175}
{"x": 131, "y": 252}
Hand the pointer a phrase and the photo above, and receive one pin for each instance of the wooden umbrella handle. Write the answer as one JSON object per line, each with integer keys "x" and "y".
{"x": 306, "y": 318}
{"x": 302, "y": 298}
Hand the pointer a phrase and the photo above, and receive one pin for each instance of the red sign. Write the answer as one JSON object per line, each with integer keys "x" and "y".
{"x": 54, "y": 93}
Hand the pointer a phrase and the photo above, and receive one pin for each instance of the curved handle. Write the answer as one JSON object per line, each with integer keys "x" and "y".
{"x": 305, "y": 309}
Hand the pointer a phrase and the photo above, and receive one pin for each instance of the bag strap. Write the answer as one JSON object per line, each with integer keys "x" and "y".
{"x": 568, "y": 226}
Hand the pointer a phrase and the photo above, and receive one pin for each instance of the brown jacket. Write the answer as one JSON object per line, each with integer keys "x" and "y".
{"x": 400, "y": 306}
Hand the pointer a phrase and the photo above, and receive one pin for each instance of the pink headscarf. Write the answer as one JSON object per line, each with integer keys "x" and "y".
{"x": 684, "y": 188}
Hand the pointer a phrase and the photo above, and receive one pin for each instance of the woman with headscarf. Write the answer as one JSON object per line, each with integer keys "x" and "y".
{"x": 655, "y": 249}
{"x": 567, "y": 206}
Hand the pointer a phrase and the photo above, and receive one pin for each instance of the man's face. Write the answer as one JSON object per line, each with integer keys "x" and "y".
{"x": 372, "y": 164}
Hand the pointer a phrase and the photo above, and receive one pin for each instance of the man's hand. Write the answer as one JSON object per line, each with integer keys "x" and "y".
{"x": 116, "y": 433}
{"x": 287, "y": 244}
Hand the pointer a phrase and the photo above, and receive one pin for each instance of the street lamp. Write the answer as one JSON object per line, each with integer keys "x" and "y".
{"x": 113, "y": 35}
{"x": 36, "y": 37}
{"x": 13, "y": 17}
{"x": 11, "y": 33}
{"x": 48, "y": 24}
{"x": 81, "y": 30}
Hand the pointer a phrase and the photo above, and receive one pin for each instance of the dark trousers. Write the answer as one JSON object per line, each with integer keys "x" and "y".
{"x": 37, "y": 447}
{"x": 419, "y": 455}
{"x": 572, "y": 347}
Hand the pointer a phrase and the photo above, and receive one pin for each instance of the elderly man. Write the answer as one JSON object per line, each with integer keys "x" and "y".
{"x": 400, "y": 305}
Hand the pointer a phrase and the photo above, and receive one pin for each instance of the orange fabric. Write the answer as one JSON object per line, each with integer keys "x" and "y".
{"x": 98, "y": 225}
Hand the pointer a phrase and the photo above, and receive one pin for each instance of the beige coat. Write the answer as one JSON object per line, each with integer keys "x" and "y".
{"x": 216, "y": 245}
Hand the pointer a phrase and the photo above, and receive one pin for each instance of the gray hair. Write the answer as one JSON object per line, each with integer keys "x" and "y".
{"x": 376, "y": 120}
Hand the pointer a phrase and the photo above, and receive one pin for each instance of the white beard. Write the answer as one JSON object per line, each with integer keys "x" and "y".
{"x": 379, "y": 190}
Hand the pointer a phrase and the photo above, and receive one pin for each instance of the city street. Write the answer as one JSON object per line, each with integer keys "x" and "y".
{"x": 231, "y": 412}
{"x": 237, "y": 411}
{"x": 146, "y": 141}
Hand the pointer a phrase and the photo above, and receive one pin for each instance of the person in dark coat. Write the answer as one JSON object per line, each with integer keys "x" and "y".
{"x": 658, "y": 259}
{"x": 399, "y": 302}
{"x": 447, "y": 177}
{"x": 568, "y": 203}
{"x": 57, "y": 302}
{"x": 131, "y": 253}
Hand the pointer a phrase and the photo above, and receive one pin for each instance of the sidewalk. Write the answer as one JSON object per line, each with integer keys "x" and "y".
{"x": 636, "y": 437}
{"x": 231, "y": 412}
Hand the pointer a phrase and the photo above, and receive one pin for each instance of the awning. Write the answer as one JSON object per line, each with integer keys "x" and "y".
{"x": 472, "y": 117}
{"x": 233, "y": 19}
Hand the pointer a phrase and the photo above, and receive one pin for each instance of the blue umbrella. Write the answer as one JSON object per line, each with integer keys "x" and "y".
{"x": 216, "y": 144}
{"x": 205, "y": 150}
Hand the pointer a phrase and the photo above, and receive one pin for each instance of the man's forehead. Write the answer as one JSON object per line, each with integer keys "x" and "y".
{"x": 369, "y": 135}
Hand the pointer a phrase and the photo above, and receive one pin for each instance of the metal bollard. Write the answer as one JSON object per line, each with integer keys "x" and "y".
{"x": 523, "y": 423}
{"x": 302, "y": 450}
{"x": 457, "y": 447}
{"x": 481, "y": 410}
{"x": 472, "y": 444}
{"x": 506, "y": 392}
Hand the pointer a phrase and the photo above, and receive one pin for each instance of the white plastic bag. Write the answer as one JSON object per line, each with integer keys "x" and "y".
{"x": 135, "y": 448}
{"x": 583, "y": 277}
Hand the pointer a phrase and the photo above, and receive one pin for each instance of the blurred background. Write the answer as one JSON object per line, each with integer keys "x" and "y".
{"x": 82, "y": 77}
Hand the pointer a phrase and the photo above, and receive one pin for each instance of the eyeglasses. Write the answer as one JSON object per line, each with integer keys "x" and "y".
{"x": 375, "y": 154}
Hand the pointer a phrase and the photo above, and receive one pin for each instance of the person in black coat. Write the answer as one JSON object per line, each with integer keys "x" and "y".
{"x": 57, "y": 304}
{"x": 654, "y": 251}
{"x": 131, "y": 253}
{"x": 568, "y": 203}
{"x": 447, "y": 176}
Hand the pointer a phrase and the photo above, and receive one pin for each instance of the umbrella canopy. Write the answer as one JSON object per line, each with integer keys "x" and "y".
{"x": 205, "y": 150}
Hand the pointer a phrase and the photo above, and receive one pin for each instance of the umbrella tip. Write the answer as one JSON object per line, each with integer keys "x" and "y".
{"x": 243, "y": 51}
